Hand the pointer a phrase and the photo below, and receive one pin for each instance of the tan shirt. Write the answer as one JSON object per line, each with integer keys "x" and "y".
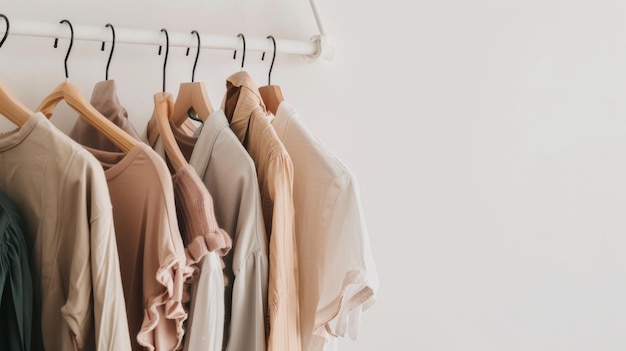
{"x": 229, "y": 174}
{"x": 338, "y": 278}
{"x": 244, "y": 108}
{"x": 104, "y": 99}
{"x": 151, "y": 250}
{"x": 62, "y": 192}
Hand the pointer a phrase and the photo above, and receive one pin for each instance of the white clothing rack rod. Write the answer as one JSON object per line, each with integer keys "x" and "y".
{"x": 311, "y": 48}
{"x": 318, "y": 18}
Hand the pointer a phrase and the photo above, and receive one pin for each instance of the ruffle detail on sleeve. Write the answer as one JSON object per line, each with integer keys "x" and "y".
{"x": 216, "y": 241}
{"x": 196, "y": 218}
{"x": 172, "y": 276}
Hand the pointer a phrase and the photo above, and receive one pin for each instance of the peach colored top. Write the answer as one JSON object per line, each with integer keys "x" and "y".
{"x": 245, "y": 110}
{"x": 152, "y": 255}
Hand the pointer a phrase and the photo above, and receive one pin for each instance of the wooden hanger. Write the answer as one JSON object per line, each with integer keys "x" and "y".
{"x": 272, "y": 95}
{"x": 70, "y": 93}
{"x": 192, "y": 95}
{"x": 9, "y": 106}
{"x": 163, "y": 109}
{"x": 72, "y": 96}
{"x": 13, "y": 109}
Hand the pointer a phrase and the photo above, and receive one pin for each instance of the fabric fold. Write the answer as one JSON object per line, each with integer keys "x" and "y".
{"x": 172, "y": 276}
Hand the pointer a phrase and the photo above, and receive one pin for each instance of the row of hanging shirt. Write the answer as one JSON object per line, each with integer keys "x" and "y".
{"x": 245, "y": 233}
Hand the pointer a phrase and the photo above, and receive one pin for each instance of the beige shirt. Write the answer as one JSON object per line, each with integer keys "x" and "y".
{"x": 62, "y": 192}
{"x": 338, "y": 278}
{"x": 104, "y": 99}
{"x": 229, "y": 174}
{"x": 244, "y": 108}
{"x": 151, "y": 250}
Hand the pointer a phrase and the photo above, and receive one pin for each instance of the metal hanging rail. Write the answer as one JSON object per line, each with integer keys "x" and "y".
{"x": 320, "y": 46}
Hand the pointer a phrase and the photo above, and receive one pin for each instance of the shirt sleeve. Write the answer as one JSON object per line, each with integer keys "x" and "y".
{"x": 164, "y": 267}
{"x": 109, "y": 306}
{"x": 350, "y": 280}
{"x": 95, "y": 290}
{"x": 206, "y": 315}
{"x": 283, "y": 279}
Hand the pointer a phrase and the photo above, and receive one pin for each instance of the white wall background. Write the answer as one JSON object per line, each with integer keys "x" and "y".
{"x": 489, "y": 138}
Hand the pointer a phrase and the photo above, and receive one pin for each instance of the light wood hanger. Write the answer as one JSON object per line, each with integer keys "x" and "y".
{"x": 13, "y": 109}
{"x": 192, "y": 95}
{"x": 72, "y": 96}
{"x": 188, "y": 127}
{"x": 163, "y": 109}
{"x": 9, "y": 106}
{"x": 272, "y": 95}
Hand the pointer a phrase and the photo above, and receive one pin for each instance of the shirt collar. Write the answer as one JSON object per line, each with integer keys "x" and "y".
{"x": 15, "y": 137}
{"x": 241, "y": 100}
{"x": 210, "y": 130}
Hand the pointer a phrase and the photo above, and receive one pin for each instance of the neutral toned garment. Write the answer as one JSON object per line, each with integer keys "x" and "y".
{"x": 338, "y": 278}
{"x": 196, "y": 217}
{"x": 151, "y": 250}
{"x": 229, "y": 174}
{"x": 244, "y": 109}
{"x": 205, "y": 328}
{"x": 104, "y": 99}
{"x": 16, "y": 285}
{"x": 205, "y": 243}
{"x": 62, "y": 193}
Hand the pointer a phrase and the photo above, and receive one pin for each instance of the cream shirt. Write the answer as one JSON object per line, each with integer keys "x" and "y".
{"x": 338, "y": 278}
{"x": 62, "y": 192}
{"x": 245, "y": 110}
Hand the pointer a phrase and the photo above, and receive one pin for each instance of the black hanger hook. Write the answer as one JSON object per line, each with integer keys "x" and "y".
{"x": 167, "y": 52}
{"x": 195, "y": 63}
{"x": 106, "y": 77}
{"x": 6, "y": 34}
{"x": 243, "y": 57}
{"x": 69, "y": 49}
{"x": 269, "y": 75}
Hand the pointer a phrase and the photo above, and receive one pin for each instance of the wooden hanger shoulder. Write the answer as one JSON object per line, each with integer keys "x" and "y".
{"x": 72, "y": 96}
{"x": 194, "y": 96}
{"x": 13, "y": 109}
{"x": 163, "y": 108}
